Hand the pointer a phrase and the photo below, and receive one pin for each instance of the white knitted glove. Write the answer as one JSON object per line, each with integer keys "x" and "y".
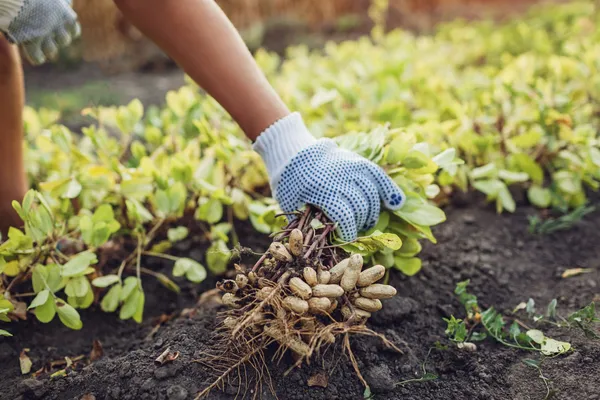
{"x": 347, "y": 187}
{"x": 41, "y": 27}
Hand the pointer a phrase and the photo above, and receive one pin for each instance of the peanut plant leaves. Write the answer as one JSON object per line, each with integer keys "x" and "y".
{"x": 78, "y": 264}
{"x": 105, "y": 281}
{"x": 40, "y": 299}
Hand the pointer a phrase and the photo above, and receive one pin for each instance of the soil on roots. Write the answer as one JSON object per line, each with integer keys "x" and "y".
{"x": 506, "y": 265}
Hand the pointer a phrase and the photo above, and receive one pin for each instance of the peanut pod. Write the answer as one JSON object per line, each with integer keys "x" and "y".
{"x": 324, "y": 276}
{"x": 279, "y": 252}
{"x": 228, "y": 286}
{"x": 241, "y": 280}
{"x": 230, "y": 300}
{"x": 338, "y": 270}
{"x": 350, "y": 276}
{"x": 263, "y": 293}
{"x": 230, "y": 322}
{"x": 358, "y": 313}
{"x": 334, "y": 304}
{"x": 310, "y": 276}
{"x": 295, "y": 344}
{"x": 378, "y": 291}
{"x": 295, "y": 304}
{"x": 370, "y": 305}
{"x": 252, "y": 277}
{"x": 319, "y": 305}
{"x": 300, "y": 288}
{"x": 331, "y": 291}
{"x": 370, "y": 275}
{"x": 296, "y": 242}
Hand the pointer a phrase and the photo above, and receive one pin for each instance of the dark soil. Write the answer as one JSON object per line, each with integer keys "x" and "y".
{"x": 505, "y": 263}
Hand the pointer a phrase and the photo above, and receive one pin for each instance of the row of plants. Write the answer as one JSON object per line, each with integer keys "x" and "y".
{"x": 518, "y": 106}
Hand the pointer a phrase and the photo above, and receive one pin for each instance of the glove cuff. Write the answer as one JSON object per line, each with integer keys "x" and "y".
{"x": 9, "y": 10}
{"x": 280, "y": 142}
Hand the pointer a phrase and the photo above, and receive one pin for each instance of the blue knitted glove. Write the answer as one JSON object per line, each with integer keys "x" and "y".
{"x": 347, "y": 187}
{"x": 41, "y": 27}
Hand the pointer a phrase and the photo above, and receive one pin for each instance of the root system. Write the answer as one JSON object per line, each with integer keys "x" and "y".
{"x": 302, "y": 295}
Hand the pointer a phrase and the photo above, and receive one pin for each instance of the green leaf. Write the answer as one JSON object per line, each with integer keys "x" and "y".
{"x": 72, "y": 189}
{"x": 139, "y": 311}
{"x": 177, "y": 234}
{"x": 551, "y": 311}
{"x": 539, "y": 196}
{"x": 552, "y": 347}
{"x": 130, "y": 283}
{"x": 398, "y": 149}
{"x": 418, "y": 212}
{"x": 527, "y": 140}
{"x": 316, "y": 224}
{"x": 137, "y": 212}
{"x": 220, "y": 231}
{"x": 68, "y": 315}
{"x": 445, "y": 158}
{"x": 487, "y": 171}
{"x": 82, "y": 302}
{"x": 38, "y": 278}
{"x": 389, "y": 240}
{"x": 514, "y": 330}
{"x": 511, "y": 177}
{"x": 105, "y": 281}
{"x": 40, "y": 299}
{"x": 531, "y": 363}
{"x": 78, "y": 264}
{"x": 217, "y": 257}
{"x": 506, "y": 200}
{"x": 536, "y": 335}
{"x": 110, "y": 301}
{"x": 130, "y": 306}
{"x": 46, "y": 312}
{"x": 77, "y": 286}
{"x": 415, "y": 160}
{"x": 408, "y": 266}
{"x": 489, "y": 187}
{"x": 209, "y": 210}
{"x": 196, "y": 273}
{"x": 193, "y": 270}
{"x": 528, "y": 165}
{"x": 5, "y": 333}
{"x": 410, "y": 248}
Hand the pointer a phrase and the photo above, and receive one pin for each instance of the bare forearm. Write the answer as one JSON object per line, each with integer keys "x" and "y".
{"x": 202, "y": 40}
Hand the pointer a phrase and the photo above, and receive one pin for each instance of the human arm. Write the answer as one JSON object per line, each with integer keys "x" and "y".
{"x": 205, "y": 44}
{"x": 303, "y": 170}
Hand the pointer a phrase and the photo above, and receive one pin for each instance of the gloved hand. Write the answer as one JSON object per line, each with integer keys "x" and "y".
{"x": 347, "y": 187}
{"x": 41, "y": 27}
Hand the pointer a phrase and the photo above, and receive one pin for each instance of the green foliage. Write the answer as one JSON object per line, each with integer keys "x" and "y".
{"x": 480, "y": 324}
{"x": 586, "y": 319}
{"x": 563, "y": 222}
{"x": 519, "y": 102}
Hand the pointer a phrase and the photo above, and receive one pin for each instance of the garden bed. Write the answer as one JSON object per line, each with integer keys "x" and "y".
{"x": 504, "y": 262}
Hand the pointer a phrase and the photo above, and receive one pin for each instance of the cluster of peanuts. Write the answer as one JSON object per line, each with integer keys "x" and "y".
{"x": 313, "y": 291}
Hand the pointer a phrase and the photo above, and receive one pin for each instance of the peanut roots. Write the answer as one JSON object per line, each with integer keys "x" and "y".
{"x": 301, "y": 294}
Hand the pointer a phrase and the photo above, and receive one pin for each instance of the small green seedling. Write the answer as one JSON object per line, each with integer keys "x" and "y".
{"x": 480, "y": 324}
{"x": 564, "y": 222}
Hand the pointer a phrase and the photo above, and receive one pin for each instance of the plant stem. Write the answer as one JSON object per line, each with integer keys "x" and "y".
{"x": 138, "y": 264}
{"x": 160, "y": 255}
{"x": 259, "y": 262}
{"x": 323, "y": 236}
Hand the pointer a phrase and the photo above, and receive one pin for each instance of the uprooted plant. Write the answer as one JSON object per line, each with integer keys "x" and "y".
{"x": 303, "y": 294}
